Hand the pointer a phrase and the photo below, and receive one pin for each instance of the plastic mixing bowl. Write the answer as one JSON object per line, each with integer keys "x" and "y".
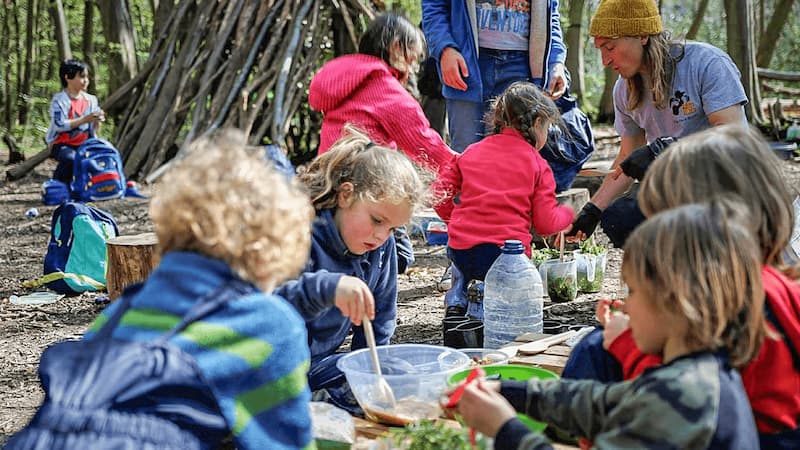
{"x": 417, "y": 374}
{"x": 511, "y": 372}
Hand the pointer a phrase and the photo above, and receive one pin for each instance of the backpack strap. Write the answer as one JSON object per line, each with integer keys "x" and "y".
{"x": 53, "y": 276}
{"x": 209, "y": 303}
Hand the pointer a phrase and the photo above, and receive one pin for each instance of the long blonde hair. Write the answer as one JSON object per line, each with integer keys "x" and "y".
{"x": 377, "y": 173}
{"x": 726, "y": 160}
{"x": 700, "y": 262}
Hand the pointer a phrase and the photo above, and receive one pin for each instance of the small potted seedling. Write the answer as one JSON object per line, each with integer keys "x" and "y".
{"x": 591, "y": 261}
{"x": 540, "y": 255}
{"x": 560, "y": 277}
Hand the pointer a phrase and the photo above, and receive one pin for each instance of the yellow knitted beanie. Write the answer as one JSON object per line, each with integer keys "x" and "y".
{"x": 617, "y": 18}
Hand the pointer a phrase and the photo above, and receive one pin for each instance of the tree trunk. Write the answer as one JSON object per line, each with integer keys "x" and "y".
{"x": 59, "y": 19}
{"x": 121, "y": 38}
{"x": 240, "y": 63}
{"x": 769, "y": 39}
{"x": 30, "y": 61}
{"x": 605, "y": 112}
{"x": 574, "y": 41}
{"x": 741, "y": 48}
{"x": 698, "y": 20}
{"x": 130, "y": 259}
{"x": 6, "y": 89}
{"x": 88, "y": 45}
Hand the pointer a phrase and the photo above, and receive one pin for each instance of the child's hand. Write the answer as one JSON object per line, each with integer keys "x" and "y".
{"x": 483, "y": 408}
{"x": 354, "y": 299}
{"x": 615, "y": 326}
{"x": 605, "y": 308}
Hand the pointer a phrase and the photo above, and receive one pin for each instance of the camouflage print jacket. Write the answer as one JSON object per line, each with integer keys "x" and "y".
{"x": 695, "y": 402}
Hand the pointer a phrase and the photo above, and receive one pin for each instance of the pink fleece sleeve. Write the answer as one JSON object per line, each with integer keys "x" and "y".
{"x": 407, "y": 125}
{"x": 633, "y": 361}
{"x": 445, "y": 188}
{"x": 548, "y": 216}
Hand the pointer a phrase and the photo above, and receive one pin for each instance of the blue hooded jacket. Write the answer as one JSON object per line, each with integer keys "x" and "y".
{"x": 452, "y": 23}
{"x": 313, "y": 293}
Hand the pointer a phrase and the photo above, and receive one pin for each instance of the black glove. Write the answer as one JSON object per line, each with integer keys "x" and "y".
{"x": 587, "y": 220}
{"x": 636, "y": 164}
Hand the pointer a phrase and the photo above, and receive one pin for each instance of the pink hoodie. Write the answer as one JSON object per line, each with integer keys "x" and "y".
{"x": 364, "y": 91}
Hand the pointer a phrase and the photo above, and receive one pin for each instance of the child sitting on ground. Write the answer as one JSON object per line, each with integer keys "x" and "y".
{"x": 727, "y": 160}
{"x": 361, "y": 192}
{"x": 75, "y": 116}
{"x": 504, "y": 188}
{"x": 229, "y": 228}
{"x": 694, "y": 271}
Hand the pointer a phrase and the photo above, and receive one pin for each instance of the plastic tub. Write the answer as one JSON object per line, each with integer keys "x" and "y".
{"x": 591, "y": 271}
{"x": 560, "y": 279}
{"x": 417, "y": 374}
{"x": 512, "y": 372}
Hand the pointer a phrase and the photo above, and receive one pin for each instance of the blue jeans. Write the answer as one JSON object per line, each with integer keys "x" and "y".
{"x": 471, "y": 264}
{"x": 499, "y": 68}
{"x": 621, "y": 217}
{"x": 65, "y": 155}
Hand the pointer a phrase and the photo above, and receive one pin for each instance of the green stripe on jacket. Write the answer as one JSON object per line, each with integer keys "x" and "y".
{"x": 268, "y": 395}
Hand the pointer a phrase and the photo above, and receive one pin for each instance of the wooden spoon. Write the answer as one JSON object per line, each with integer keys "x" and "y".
{"x": 383, "y": 392}
{"x": 532, "y": 348}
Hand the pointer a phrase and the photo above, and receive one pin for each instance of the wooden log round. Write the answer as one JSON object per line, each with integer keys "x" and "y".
{"x": 130, "y": 259}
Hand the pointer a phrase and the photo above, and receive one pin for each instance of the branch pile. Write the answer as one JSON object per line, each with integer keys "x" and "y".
{"x": 213, "y": 64}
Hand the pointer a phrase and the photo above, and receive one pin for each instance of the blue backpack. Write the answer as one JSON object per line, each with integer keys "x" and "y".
{"x": 103, "y": 392}
{"x": 97, "y": 172}
{"x": 75, "y": 261}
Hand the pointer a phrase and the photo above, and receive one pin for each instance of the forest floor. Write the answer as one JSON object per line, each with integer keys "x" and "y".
{"x": 27, "y": 330}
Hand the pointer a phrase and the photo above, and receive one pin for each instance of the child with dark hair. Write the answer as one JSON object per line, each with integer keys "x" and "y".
{"x": 505, "y": 188}
{"x": 75, "y": 116}
{"x": 694, "y": 275}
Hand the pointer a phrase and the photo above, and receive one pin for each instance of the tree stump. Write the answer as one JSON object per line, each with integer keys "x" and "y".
{"x": 130, "y": 259}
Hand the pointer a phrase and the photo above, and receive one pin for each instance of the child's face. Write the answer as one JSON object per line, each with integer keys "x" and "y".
{"x": 649, "y": 324}
{"x": 79, "y": 82}
{"x": 365, "y": 225}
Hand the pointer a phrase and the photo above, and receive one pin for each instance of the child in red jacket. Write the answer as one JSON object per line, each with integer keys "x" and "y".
{"x": 728, "y": 160}
{"x": 504, "y": 189}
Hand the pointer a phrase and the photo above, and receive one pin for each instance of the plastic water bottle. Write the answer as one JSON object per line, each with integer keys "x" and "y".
{"x": 793, "y": 133}
{"x": 512, "y": 299}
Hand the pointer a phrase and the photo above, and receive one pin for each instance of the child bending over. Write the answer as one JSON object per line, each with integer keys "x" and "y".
{"x": 504, "y": 188}
{"x": 230, "y": 227}
{"x": 695, "y": 297}
{"x": 361, "y": 192}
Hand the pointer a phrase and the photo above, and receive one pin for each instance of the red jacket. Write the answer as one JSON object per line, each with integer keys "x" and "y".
{"x": 504, "y": 187}
{"x": 771, "y": 380}
{"x": 364, "y": 91}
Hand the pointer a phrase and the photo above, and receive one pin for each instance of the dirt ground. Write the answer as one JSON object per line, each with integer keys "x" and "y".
{"x": 27, "y": 330}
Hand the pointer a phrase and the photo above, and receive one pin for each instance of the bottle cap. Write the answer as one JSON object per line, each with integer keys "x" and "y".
{"x": 513, "y": 247}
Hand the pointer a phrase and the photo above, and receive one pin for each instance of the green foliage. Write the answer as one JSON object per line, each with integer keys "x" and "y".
{"x": 561, "y": 288}
{"x": 538, "y": 256}
{"x": 433, "y": 435}
{"x": 589, "y": 247}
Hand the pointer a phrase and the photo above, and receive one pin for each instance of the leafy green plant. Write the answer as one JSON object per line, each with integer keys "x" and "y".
{"x": 561, "y": 288}
{"x": 538, "y": 256}
{"x": 588, "y": 247}
{"x": 594, "y": 256}
{"x": 433, "y": 435}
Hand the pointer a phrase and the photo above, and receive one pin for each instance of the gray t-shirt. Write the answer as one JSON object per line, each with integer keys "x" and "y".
{"x": 706, "y": 80}
{"x": 503, "y": 25}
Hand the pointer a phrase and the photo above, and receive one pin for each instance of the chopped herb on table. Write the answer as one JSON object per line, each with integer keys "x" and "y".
{"x": 433, "y": 435}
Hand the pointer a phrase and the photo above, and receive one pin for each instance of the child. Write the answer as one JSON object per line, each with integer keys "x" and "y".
{"x": 75, "y": 116}
{"x": 728, "y": 160}
{"x": 505, "y": 187}
{"x": 694, "y": 270}
{"x": 224, "y": 219}
{"x": 361, "y": 192}
{"x": 369, "y": 90}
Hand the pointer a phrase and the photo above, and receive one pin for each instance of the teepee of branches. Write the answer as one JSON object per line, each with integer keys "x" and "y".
{"x": 235, "y": 63}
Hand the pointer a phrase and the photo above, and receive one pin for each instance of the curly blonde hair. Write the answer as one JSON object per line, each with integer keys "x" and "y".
{"x": 226, "y": 202}
{"x": 377, "y": 173}
{"x": 701, "y": 262}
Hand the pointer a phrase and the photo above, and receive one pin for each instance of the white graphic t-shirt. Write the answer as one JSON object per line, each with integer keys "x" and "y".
{"x": 503, "y": 24}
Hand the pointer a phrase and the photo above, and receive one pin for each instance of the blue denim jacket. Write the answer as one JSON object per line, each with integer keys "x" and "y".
{"x": 452, "y": 23}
